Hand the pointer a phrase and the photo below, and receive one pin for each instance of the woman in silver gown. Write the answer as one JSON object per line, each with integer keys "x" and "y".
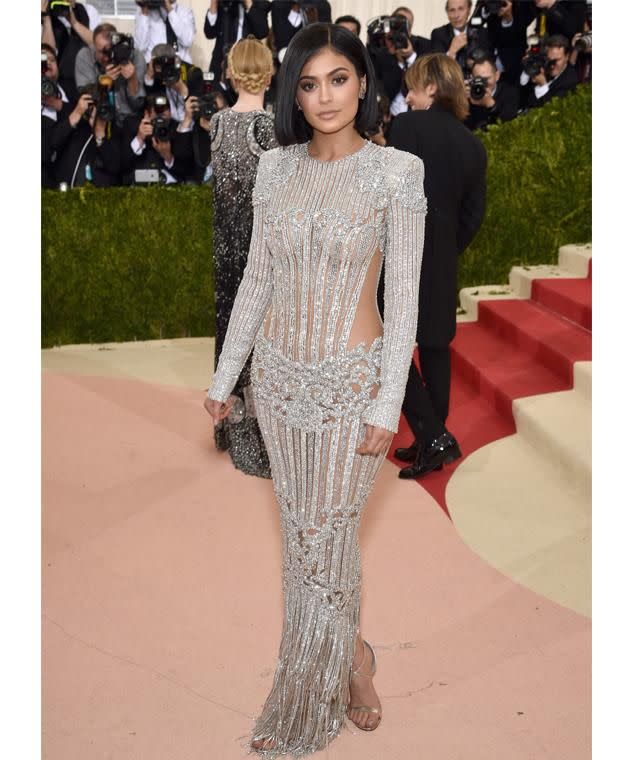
{"x": 239, "y": 137}
{"x": 329, "y": 377}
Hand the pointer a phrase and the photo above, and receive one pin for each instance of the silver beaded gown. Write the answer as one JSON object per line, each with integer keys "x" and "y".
{"x": 318, "y": 226}
{"x": 237, "y": 142}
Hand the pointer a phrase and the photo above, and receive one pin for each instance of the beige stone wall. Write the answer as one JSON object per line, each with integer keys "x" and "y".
{"x": 428, "y": 14}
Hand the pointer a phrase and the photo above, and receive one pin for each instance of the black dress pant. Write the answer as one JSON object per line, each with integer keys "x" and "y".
{"x": 427, "y": 394}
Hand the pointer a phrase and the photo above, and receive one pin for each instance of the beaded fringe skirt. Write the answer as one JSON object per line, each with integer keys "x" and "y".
{"x": 310, "y": 418}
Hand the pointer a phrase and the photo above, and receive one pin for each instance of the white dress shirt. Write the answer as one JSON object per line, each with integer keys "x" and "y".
{"x": 399, "y": 104}
{"x": 93, "y": 15}
{"x": 150, "y": 30}
{"x": 50, "y": 112}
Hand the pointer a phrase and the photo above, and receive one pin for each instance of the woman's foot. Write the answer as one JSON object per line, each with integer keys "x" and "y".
{"x": 264, "y": 744}
{"x": 362, "y": 692}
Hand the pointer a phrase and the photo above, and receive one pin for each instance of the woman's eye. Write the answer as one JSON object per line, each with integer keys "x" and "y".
{"x": 307, "y": 86}
{"x": 340, "y": 80}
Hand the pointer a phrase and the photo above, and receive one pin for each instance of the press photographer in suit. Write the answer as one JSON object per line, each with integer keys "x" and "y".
{"x": 491, "y": 99}
{"x": 455, "y": 188}
{"x": 507, "y": 32}
{"x": 227, "y": 21}
{"x": 549, "y": 75}
{"x": 459, "y": 37}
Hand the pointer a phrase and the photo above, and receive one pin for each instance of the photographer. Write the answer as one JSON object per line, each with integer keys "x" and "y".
{"x": 548, "y": 75}
{"x": 582, "y": 52}
{"x": 460, "y": 38}
{"x": 507, "y": 32}
{"x": 66, "y": 26}
{"x": 228, "y": 21}
{"x": 491, "y": 100}
{"x": 165, "y": 75}
{"x": 55, "y": 108}
{"x": 147, "y": 143}
{"x": 288, "y": 17}
{"x": 86, "y": 144}
{"x": 164, "y": 21}
{"x": 114, "y": 55}
{"x": 393, "y": 50}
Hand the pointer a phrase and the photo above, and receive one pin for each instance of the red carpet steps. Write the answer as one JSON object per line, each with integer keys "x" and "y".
{"x": 516, "y": 382}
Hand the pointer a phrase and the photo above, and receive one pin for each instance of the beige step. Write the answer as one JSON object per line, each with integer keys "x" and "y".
{"x": 469, "y": 299}
{"x": 522, "y": 277}
{"x": 583, "y": 378}
{"x": 575, "y": 258}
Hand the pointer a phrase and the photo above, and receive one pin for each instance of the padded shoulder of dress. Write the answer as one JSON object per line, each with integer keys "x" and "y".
{"x": 405, "y": 178}
{"x": 274, "y": 167}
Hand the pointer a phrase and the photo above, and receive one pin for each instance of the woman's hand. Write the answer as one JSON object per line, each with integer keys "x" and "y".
{"x": 218, "y": 410}
{"x": 377, "y": 441}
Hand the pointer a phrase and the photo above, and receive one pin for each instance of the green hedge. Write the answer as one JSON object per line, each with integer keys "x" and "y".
{"x": 136, "y": 263}
{"x": 539, "y": 190}
{"x": 126, "y": 264}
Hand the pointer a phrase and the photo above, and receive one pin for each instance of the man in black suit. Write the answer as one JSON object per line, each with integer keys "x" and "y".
{"x": 228, "y": 22}
{"x": 288, "y": 17}
{"x": 459, "y": 38}
{"x": 555, "y": 80}
{"x": 554, "y": 17}
{"x": 391, "y": 62}
{"x": 499, "y": 101}
{"x": 455, "y": 188}
{"x": 507, "y": 34}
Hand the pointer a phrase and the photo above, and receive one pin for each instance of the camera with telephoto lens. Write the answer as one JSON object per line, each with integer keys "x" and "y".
{"x": 167, "y": 69}
{"x": 478, "y": 86}
{"x": 201, "y": 86}
{"x": 102, "y": 94}
{"x": 60, "y": 8}
{"x": 49, "y": 88}
{"x": 584, "y": 42}
{"x": 121, "y": 51}
{"x": 392, "y": 28}
{"x": 494, "y": 7}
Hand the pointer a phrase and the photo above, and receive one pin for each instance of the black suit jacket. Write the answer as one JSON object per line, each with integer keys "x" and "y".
{"x": 283, "y": 29}
{"x": 442, "y": 36}
{"x": 389, "y": 73}
{"x": 505, "y": 107}
{"x": 74, "y": 150}
{"x": 68, "y": 44}
{"x": 565, "y": 17}
{"x": 150, "y": 158}
{"x": 510, "y": 43}
{"x": 226, "y": 29}
{"x": 455, "y": 188}
{"x": 558, "y": 88}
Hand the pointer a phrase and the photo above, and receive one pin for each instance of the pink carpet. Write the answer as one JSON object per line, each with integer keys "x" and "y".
{"x": 162, "y": 604}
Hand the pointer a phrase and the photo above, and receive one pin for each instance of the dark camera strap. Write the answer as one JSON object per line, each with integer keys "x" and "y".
{"x": 171, "y": 37}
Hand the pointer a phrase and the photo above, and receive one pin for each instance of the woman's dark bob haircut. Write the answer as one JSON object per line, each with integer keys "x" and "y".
{"x": 291, "y": 126}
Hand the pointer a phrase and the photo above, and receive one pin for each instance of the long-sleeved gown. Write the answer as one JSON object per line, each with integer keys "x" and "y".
{"x": 318, "y": 228}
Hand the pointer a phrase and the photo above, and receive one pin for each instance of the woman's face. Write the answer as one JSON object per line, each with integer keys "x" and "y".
{"x": 328, "y": 91}
{"x": 421, "y": 98}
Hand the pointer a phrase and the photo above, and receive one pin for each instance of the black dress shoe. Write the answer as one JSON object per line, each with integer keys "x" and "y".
{"x": 441, "y": 451}
{"x": 409, "y": 454}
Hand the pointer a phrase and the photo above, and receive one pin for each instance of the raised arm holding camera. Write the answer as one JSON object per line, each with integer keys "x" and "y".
{"x": 491, "y": 99}
{"x": 70, "y": 25}
{"x": 463, "y": 35}
{"x": 164, "y": 22}
{"x": 507, "y": 31}
{"x": 393, "y": 50}
{"x": 288, "y": 17}
{"x": 165, "y": 75}
{"x": 114, "y": 54}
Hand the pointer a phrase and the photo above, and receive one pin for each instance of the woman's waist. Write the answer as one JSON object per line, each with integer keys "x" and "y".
{"x": 320, "y": 359}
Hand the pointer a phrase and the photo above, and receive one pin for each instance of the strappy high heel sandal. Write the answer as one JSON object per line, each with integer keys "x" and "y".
{"x": 366, "y": 708}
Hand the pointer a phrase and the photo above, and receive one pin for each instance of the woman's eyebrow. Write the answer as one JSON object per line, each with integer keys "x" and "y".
{"x": 330, "y": 73}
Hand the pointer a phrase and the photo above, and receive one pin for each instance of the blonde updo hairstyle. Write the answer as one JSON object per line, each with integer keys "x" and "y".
{"x": 443, "y": 72}
{"x": 250, "y": 64}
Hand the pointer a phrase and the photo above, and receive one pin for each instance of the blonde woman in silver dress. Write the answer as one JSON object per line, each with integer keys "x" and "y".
{"x": 330, "y": 208}
{"x": 239, "y": 137}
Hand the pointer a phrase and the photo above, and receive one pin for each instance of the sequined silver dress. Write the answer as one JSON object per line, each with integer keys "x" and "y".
{"x": 237, "y": 142}
{"x": 318, "y": 226}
